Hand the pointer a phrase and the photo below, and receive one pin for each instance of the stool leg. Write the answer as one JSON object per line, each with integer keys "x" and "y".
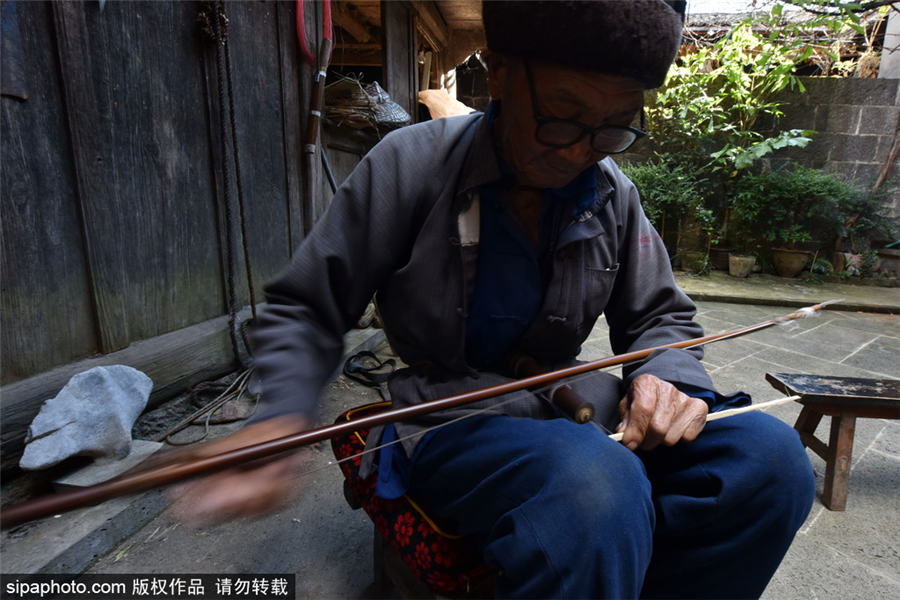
{"x": 837, "y": 465}
{"x": 806, "y": 423}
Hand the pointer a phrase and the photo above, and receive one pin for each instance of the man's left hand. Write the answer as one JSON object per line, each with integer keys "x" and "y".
{"x": 654, "y": 412}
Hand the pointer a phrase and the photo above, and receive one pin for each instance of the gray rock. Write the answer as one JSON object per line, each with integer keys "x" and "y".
{"x": 91, "y": 416}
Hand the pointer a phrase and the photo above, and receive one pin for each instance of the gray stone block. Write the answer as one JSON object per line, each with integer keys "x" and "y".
{"x": 870, "y": 92}
{"x": 846, "y": 169}
{"x": 837, "y": 118}
{"x": 881, "y": 120}
{"x": 867, "y": 173}
{"x": 798, "y": 116}
{"x": 91, "y": 416}
{"x": 815, "y": 154}
{"x": 816, "y": 90}
{"x": 885, "y": 143}
{"x": 861, "y": 148}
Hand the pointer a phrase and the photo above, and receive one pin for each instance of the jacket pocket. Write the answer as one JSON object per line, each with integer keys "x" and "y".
{"x": 597, "y": 285}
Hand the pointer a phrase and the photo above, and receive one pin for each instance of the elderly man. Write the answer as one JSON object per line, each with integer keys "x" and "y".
{"x": 509, "y": 233}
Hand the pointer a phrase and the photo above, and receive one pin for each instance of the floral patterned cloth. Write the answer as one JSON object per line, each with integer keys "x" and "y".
{"x": 450, "y": 565}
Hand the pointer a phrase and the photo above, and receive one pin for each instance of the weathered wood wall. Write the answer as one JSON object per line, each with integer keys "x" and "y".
{"x": 113, "y": 226}
{"x": 401, "y": 70}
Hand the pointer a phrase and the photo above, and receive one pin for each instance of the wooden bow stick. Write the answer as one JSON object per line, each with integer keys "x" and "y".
{"x": 138, "y": 482}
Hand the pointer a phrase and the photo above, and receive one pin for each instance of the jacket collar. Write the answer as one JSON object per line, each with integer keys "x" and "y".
{"x": 481, "y": 166}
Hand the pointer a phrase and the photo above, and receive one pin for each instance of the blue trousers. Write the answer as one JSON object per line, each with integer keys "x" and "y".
{"x": 563, "y": 512}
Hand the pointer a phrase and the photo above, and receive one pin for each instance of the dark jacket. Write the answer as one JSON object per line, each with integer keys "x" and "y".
{"x": 404, "y": 225}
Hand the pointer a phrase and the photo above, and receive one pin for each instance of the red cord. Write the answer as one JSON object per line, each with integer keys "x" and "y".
{"x": 301, "y": 33}
{"x": 326, "y": 21}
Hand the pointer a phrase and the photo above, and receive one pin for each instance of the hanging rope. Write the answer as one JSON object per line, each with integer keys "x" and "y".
{"x": 214, "y": 23}
{"x": 230, "y": 293}
{"x": 237, "y": 163}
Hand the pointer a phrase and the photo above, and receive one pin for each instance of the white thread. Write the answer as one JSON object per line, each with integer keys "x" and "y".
{"x": 553, "y": 389}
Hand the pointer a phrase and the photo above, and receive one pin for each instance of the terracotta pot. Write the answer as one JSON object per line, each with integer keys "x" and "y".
{"x": 789, "y": 263}
{"x": 740, "y": 265}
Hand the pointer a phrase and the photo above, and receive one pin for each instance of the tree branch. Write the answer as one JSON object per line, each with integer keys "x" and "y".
{"x": 839, "y": 6}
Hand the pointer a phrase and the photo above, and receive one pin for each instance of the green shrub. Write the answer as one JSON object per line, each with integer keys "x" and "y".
{"x": 797, "y": 204}
{"x": 669, "y": 195}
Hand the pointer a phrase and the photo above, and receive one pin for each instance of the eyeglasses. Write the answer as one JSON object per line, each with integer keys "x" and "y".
{"x": 562, "y": 133}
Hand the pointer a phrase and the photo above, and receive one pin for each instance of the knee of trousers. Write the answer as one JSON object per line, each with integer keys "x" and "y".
{"x": 595, "y": 490}
{"x": 590, "y": 516}
{"x": 775, "y": 459}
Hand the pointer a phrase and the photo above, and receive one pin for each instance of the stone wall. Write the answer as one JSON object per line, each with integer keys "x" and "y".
{"x": 856, "y": 123}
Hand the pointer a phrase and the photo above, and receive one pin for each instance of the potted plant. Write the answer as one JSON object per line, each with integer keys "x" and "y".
{"x": 864, "y": 219}
{"x": 742, "y": 259}
{"x": 787, "y": 208}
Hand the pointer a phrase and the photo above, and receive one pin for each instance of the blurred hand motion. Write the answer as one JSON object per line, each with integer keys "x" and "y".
{"x": 249, "y": 490}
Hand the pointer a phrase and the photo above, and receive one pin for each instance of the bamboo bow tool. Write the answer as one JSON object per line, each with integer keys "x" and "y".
{"x": 145, "y": 480}
{"x": 617, "y": 437}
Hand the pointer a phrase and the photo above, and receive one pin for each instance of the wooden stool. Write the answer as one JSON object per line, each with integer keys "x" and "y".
{"x": 843, "y": 399}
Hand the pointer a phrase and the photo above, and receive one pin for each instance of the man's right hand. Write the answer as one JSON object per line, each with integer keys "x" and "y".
{"x": 239, "y": 492}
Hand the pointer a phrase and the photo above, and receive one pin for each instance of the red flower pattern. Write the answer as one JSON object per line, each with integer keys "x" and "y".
{"x": 424, "y": 529}
{"x": 404, "y": 528}
{"x": 445, "y": 564}
{"x": 423, "y": 557}
{"x": 440, "y": 554}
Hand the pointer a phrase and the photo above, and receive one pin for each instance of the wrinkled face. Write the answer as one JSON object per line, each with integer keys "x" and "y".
{"x": 589, "y": 98}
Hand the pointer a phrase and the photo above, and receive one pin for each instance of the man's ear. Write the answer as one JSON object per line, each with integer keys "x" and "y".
{"x": 498, "y": 66}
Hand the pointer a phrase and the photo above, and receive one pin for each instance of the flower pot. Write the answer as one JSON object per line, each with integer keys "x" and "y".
{"x": 718, "y": 258}
{"x": 740, "y": 265}
{"x": 789, "y": 263}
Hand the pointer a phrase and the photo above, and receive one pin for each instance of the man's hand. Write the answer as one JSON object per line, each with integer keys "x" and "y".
{"x": 655, "y": 412}
{"x": 243, "y": 491}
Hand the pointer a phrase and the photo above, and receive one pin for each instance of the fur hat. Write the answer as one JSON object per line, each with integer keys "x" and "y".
{"x": 631, "y": 38}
